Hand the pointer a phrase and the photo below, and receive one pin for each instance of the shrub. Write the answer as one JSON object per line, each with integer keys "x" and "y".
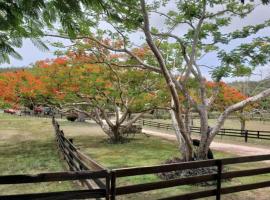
{"x": 72, "y": 117}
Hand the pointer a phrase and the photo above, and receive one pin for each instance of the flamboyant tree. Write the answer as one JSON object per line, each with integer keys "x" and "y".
{"x": 20, "y": 87}
{"x": 227, "y": 96}
{"x": 201, "y": 25}
{"x": 76, "y": 83}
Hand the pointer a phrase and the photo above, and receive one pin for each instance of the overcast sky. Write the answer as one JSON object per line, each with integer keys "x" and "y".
{"x": 31, "y": 54}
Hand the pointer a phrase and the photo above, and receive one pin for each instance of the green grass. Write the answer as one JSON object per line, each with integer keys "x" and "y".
{"x": 27, "y": 145}
{"x": 146, "y": 151}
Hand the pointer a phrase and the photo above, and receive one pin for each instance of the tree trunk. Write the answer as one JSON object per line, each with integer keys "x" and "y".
{"x": 116, "y": 134}
{"x": 181, "y": 142}
{"x": 185, "y": 150}
{"x": 81, "y": 117}
{"x": 205, "y": 131}
{"x": 242, "y": 121}
{"x": 243, "y": 124}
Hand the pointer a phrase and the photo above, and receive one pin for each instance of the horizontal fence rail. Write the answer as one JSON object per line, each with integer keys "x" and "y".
{"x": 76, "y": 160}
{"x": 218, "y": 177}
{"x": 114, "y": 190}
{"x": 246, "y": 134}
{"x": 82, "y": 168}
{"x": 52, "y": 177}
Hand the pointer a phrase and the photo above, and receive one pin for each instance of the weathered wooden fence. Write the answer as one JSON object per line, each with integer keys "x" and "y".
{"x": 218, "y": 191}
{"x": 59, "y": 176}
{"x": 103, "y": 183}
{"x": 76, "y": 160}
{"x": 246, "y": 134}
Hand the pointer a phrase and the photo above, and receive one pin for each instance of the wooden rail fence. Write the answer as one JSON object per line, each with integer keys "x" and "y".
{"x": 246, "y": 134}
{"x": 106, "y": 182}
{"x": 220, "y": 175}
{"x": 58, "y": 176}
{"x": 76, "y": 160}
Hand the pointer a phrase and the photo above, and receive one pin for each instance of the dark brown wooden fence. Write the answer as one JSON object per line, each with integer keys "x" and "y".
{"x": 106, "y": 185}
{"x": 112, "y": 190}
{"x": 58, "y": 176}
{"x": 76, "y": 160}
{"x": 218, "y": 191}
{"x": 245, "y": 134}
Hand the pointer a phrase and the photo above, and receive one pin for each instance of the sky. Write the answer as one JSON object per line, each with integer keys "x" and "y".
{"x": 31, "y": 54}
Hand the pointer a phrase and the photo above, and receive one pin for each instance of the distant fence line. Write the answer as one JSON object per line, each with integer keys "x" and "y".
{"x": 84, "y": 169}
{"x": 249, "y": 116}
{"x": 256, "y": 117}
{"x": 228, "y": 132}
{"x": 246, "y": 134}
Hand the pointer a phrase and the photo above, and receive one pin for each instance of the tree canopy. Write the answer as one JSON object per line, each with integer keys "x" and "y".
{"x": 31, "y": 19}
{"x": 171, "y": 55}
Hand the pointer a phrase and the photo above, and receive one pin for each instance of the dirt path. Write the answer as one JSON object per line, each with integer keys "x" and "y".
{"x": 240, "y": 150}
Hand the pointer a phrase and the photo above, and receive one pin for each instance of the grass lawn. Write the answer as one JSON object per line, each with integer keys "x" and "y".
{"x": 27, "y": 146}
{"x": 145, "y": 151}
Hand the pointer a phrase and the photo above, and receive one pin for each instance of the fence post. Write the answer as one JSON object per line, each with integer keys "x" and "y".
{"x": 219, "y": 173}
{"x": 258, "y": 134}
{"x": 246, "y": 135}
{"x": 71, "y": 140}
{"x": 108, "y": 185}
{"x": 222, "y": 133}
{"x": 113, "y": 185}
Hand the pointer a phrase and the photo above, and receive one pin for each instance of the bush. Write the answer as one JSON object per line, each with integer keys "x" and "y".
{"x": 72, "y": 117}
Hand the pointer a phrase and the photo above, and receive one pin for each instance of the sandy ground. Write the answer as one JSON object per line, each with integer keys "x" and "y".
{"x": 240, "y": 150}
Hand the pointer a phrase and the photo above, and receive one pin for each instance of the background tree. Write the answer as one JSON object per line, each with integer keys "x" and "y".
{"x": 227, "y": 96}
{"x": 250, "y": 88}
{"x": 77, "y": 83}
{"x": 20, "y": 88}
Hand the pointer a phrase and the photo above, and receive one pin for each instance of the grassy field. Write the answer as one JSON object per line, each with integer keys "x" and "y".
{"x": 143, "y": 151}
{"x": 27, "y": 146}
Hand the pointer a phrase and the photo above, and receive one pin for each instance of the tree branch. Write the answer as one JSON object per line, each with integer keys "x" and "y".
{"x": 235, "y": 107}
{"x": 123, "y": 50}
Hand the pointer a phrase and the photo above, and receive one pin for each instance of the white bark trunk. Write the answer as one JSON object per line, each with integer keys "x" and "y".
{"x": 169, "y": 80}
{"x": 181, "y": 142}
